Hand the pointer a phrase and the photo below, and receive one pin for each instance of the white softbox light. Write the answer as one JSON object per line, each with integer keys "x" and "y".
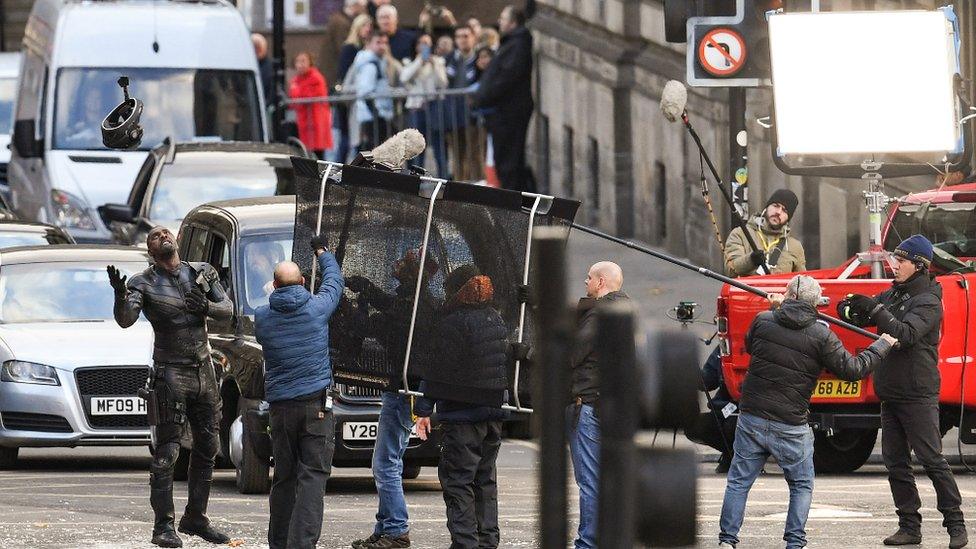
{"x": 864, "y": 82}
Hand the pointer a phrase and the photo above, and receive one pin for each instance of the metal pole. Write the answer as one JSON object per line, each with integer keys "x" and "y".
{"x": 318, "y": 223}
{"x": 420, "y": 283}
{"x": 278, "y": 64}
{"x": 521, "y": 325}
{"x": 711, "y": 274}
{"x": 736, "y": 218}
{"x": 876, "y": 201}
{"x": 738, "y": 153}
{"x": 619, "y": 417}
{"x": 551, "y": 382}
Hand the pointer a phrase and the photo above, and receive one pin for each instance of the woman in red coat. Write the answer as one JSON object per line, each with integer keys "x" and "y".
{"x": 314, "y": 119}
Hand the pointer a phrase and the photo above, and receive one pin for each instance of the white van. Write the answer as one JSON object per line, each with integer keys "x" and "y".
{"x": 191, "y": 63}
{"x": 9, "y": 68}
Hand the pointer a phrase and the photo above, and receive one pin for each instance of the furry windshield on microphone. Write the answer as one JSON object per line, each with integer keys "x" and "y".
{"x": 397, "y": 150}
{"x": 673, "y": 100}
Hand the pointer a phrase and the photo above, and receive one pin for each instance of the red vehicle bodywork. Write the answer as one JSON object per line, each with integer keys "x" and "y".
{"x": 737, "y": 308}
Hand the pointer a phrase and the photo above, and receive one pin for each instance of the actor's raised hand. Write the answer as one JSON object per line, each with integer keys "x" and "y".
{"x": 116, "y": 279}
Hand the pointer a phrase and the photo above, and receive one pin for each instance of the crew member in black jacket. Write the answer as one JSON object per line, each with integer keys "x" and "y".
{"x": 908, "y": 386}
{"x": 505, "y": 93}
{"x": 469, "y": 358}
{"x": 789, "y": 348}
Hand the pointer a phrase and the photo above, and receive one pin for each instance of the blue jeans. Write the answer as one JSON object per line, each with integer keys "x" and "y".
{"x": 584, "y": 445}
{"x": 755, "y": 440}
{"x": 392, "y": 436}
{"x": 428, "y": 122}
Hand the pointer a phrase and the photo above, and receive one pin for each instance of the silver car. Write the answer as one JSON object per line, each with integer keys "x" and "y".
{"x": 68, "y": 373}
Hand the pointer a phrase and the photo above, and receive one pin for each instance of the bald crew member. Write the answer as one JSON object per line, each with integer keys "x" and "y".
{"x": 603, "y": 285}
{"x": 293, "y": 330}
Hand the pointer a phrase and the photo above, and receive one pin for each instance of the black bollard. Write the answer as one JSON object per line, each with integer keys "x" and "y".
{"x": 619, "y": 414}
{"x": 551, "y": 381}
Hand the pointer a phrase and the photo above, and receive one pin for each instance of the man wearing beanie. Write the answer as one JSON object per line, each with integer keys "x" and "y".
{"x": 466, "y": 383}
{"x": 908, "y": 385}
{"x": 783, "y": 254}
{"x": 770, "y": 231}
{"x": 789, "y": 348}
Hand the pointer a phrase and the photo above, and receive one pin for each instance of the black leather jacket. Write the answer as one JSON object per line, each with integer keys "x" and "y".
{"x": 180, "y": 336}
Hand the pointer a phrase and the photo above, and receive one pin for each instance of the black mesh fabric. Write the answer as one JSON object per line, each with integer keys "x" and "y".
{"x": 373, "y": 219}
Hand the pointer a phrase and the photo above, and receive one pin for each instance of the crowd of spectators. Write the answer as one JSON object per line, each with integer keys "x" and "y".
{"x": 464, "y": 85}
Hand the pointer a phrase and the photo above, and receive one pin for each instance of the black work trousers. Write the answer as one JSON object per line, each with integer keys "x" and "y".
{"x": 468, "y": 476}
{"x": 713, "y": 430}
{"x": 303, "y": 439}
{"x": 908, "y": 426}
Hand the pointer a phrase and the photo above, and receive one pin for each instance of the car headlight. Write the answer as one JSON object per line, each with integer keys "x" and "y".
{"x": 70, "y": 211}
{"x": 19, "y": 371}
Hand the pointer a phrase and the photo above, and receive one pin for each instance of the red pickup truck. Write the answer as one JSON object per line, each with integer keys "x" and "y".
{"x": 846, "y": 415}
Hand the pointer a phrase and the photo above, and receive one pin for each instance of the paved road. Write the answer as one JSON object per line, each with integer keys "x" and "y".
{"x": 98, "y": 498}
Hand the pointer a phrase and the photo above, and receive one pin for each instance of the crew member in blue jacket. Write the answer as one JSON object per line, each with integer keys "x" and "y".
{"x": 467, "y": 378}
{"x": 293, "y": 330}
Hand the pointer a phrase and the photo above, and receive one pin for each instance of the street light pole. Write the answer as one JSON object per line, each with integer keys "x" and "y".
{"x": 278, "y": 65}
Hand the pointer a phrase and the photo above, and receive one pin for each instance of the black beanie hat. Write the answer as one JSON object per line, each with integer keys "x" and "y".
{"x": 785, "y": 197}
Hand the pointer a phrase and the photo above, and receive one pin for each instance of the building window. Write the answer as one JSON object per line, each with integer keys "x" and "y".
{"x": 593, "y": 156}
{"x": 661, "y": 201}
{"x": 569, "y": 170}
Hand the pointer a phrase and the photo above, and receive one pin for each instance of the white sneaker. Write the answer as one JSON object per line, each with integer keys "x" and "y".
{"x": 726, "y": 546}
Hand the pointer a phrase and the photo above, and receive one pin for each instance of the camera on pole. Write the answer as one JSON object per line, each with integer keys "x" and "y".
{"x": 727, "y": 47}
{"x": 121, "y": 129}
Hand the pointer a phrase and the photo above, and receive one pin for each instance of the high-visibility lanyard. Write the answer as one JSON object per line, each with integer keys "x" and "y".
{"x": 767, "y": 245}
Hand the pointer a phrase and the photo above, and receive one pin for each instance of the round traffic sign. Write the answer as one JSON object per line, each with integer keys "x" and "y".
{"x": 722, "y": 52}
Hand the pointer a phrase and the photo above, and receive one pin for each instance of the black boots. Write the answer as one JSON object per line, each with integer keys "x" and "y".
{"x": 161, "y": 499}
{"x": 195, "y": 521}
{"x": 958, "y": 538}
{"x": 904, "y": 537}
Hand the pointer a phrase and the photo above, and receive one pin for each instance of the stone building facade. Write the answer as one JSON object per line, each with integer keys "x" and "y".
{"x": 598, "y": 134}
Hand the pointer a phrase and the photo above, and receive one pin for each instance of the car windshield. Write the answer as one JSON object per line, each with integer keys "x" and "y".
{"x": 8, "y": 92}
{"x": 12, "y": 239}
{"x": 58, "y": 292}
{"x": 182, "y": 187}
{"x": 259, "y": 255}
{"x": 185, "y": 104}
{"x": 950, "y": 226}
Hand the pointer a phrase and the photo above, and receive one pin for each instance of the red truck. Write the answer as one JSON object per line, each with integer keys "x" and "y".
{"x": 846, "y": 415}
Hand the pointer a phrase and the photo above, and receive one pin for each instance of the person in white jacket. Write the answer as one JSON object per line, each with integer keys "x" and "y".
{"x": 423, "y": 77}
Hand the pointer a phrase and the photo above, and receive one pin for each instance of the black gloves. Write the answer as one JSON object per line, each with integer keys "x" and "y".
{"x": 197, "y": 302}
{"x": 757, "y": 258}
{"x": 524, "y": 294}
{"x": 858, "y": 309}
{"x": 117, "y": 281}
{"x": 358, "y": 283}
{"x": 319, "y": 242}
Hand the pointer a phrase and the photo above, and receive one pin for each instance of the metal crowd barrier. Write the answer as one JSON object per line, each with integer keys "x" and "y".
{"x": 455, "y": 132}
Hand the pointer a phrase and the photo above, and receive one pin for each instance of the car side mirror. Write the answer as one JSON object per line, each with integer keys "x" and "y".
{"x": 24, "y": 140}
{"x": 116, "y": 212}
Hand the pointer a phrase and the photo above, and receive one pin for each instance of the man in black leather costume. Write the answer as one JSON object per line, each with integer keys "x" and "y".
{"x": 176, "y": 297}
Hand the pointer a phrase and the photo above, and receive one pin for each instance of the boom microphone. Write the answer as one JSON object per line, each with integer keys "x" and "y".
{"x": 673, "y": 100}
{"x": 397, "y": 150}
